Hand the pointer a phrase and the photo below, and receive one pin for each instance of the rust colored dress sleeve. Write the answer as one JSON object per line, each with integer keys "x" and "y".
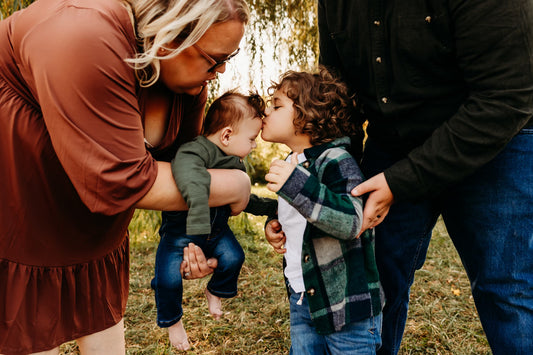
{"x": 87, "y": 95}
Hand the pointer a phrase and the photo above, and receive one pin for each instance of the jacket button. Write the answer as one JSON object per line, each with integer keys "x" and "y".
{"x": 378, "y": 59}
{"x": 305, "y": 164}
{"x": 311, "y": 292}
{"x": 306, "y": 258}
{"x": 428, "y": 19}
{"x": 377, "y": 23}
{"x": 384, "y": 100}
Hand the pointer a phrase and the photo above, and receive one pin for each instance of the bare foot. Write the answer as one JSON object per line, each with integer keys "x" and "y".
{"x": 178, "y": 336}
{"x": 214, "y": 303}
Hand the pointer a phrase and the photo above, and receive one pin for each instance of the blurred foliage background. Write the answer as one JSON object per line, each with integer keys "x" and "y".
{"x": 7, "y": 7}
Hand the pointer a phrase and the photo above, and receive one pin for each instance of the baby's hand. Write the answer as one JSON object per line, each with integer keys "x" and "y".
{"x": 279, "y": 172}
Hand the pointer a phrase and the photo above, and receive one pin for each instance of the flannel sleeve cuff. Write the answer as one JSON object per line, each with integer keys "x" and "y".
{"x": 294, "y": 184}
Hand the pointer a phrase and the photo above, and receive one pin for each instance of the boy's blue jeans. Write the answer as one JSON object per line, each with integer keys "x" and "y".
{"x": 360, "y": 338}
{"x": 489, "y": 217}
{"x": 221, "y": 244}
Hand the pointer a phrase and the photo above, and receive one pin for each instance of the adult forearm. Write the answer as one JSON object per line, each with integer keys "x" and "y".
{"x": 227, "y": 187}
{"x": 164, "y": 194}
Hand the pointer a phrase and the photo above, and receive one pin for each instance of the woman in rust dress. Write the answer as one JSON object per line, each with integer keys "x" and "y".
{"x": 86, "y": 122}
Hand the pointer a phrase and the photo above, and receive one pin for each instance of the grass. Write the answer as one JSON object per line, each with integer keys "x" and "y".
{"x": 442, "y": 317}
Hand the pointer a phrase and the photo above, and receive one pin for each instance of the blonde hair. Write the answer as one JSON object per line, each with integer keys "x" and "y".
{"x": 159, "y": 22}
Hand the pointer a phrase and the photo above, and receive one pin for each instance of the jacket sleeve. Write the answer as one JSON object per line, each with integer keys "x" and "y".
{"x": 327, "y": 203}
{"x": 262, "y": 206}
{"x": 189, "y": 168}
{"x": 493, "y": 41}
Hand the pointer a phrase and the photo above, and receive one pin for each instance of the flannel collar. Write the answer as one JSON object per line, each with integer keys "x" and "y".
{"x": 315, "y": 151}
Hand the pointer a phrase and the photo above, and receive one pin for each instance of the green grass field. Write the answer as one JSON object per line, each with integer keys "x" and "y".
{"x": 442, "y": 317}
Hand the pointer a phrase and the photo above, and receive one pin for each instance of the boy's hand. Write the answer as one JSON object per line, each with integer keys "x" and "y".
{"x": 275, "y": 236}
{"x": 279, "y": 172}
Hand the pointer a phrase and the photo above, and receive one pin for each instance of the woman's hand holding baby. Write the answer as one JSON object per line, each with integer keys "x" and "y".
{"x": 195, "y": 265}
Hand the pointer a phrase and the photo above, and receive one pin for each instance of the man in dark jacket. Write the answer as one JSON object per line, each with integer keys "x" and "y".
{"x": 447, "y": 89}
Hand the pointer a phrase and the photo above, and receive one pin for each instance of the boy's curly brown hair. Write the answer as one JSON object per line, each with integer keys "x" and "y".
{"x": 230, "y": 108}
{"x": 322, "y": 103}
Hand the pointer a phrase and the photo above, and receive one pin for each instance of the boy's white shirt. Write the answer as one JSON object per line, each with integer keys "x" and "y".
{"x": 293, "y": 225}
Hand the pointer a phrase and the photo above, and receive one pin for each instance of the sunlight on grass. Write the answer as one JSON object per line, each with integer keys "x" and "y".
{"x": 442, "y": 316}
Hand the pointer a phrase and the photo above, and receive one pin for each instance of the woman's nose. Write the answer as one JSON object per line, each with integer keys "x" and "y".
{"x": 221, "y": 69}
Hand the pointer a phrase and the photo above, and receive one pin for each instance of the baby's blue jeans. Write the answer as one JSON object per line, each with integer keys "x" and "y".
{"x": 220, "y": 244}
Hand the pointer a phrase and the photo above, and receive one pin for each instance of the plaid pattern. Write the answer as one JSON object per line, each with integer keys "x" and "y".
{"x": 340, "y": 272}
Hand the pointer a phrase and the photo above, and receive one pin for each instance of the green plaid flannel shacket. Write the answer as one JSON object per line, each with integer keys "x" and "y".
{"x": 339, "y": 270}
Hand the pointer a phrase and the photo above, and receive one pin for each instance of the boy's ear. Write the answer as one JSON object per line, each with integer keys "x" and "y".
{"x": 225, "y": 135}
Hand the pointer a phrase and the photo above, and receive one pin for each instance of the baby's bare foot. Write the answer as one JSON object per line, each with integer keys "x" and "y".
{"x": 214, "y": 303}
{"x": 178, "y": 336}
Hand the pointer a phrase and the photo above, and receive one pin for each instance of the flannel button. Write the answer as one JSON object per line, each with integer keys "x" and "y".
{"x": 306, "y": 258}
{"x": 311, "y": 292}
{"x": 305, "y": 164}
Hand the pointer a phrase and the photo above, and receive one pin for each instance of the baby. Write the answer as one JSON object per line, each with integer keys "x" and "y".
{"x": 231, "y": 126}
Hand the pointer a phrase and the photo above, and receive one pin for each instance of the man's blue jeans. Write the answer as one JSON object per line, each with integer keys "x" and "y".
{"x": 221, "y": 244}
{"x": 489, "y": 217}
{"x": 359, "y": 338}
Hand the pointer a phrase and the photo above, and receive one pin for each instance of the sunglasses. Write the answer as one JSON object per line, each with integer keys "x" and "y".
{"x": 215, "y": 63}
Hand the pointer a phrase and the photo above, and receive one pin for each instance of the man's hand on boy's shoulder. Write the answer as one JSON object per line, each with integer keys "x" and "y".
{"x": 279, "y": 172}
{"x": 378, "y": 202}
